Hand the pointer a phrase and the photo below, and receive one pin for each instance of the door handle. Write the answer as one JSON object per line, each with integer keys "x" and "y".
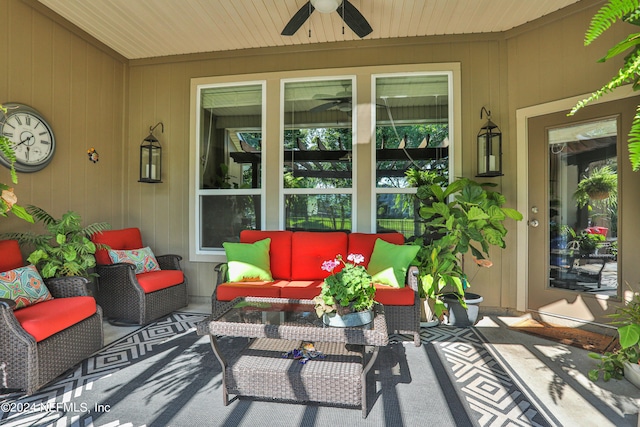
{"x": 533, "y": 223}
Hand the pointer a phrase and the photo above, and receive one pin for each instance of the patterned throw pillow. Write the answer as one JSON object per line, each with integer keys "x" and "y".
{"x": 23, "y": 285}
{"x": 142, "y": 258}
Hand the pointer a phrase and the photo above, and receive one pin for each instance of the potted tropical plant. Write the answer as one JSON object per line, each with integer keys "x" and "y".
{"x": 65, "y": 249}
{"x": 600, "y": 184}
{"x": 622, "y": 362}
{"x": 465, "y": 217}
{"x": 346, "y": 298}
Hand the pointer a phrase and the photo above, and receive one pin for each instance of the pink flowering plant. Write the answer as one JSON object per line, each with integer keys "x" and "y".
{"x": 347, "y": 290}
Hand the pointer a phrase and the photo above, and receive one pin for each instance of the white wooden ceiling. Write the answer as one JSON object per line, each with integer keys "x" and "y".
{"x": 151, "y": 28}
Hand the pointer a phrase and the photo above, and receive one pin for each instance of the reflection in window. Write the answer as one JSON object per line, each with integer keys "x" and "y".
{"x": 230, "y": 162}
{"x": 583, "y": 207}
{"x": 318, "y": 154}
{"x": 412, "y": 131}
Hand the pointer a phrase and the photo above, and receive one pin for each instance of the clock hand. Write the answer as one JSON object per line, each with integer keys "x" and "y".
{"x": 23, "y": 141}
{"x": 28, "y": 148}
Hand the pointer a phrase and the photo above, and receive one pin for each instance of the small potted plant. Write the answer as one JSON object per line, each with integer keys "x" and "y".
{"x": 65, "y": 249}
{"x": 465, "y": 217}
{"x": 346, "y": 298}
{"x": 622, "y": 362}
{"x": 600, "y": 184}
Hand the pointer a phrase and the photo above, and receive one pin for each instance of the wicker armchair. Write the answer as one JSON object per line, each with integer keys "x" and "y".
{"x": 28, "y": 364}
{"x": 124, "y": 295}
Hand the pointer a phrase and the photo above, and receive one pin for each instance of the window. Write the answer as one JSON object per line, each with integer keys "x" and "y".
{"x": 412, "y": 123}
{"x": 318, "y": 154}
{"x": 230, "y": 162}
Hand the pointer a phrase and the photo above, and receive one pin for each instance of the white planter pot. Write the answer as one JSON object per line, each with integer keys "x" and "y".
{"x": 632, "y": 373}
{"x": 428, "y": 318}
{"x": 358, "y": 318}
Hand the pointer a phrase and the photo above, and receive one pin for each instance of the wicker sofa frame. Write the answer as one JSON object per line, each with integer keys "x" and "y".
{"x": 28, "y": 365}
{"x": 401, "y": 319}
{"x": 123, "y": 299}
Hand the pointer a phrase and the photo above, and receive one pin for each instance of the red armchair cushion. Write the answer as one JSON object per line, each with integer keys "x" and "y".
{"x": 363, "y": 243}
{"x": 279, "y": 253}
{"x": 301, "y": 289}
{"x": 127, "y": 238}
{"x": 310, "y": 249}
{"x": 160, "y": 279}
{"x": 10, "y": 256}
{"x": 390, "y": 295}
{"x": 47, "y": 318}
{"x": 229, "y": 291}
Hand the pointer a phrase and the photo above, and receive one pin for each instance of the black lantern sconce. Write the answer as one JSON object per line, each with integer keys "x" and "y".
{"x": 489, "y": 148}
{"x": 151, "y": 157}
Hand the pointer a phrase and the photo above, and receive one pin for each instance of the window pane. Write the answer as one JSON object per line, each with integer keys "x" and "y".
{"x": 412, "y": 126}
{"x": 318, "y": 212}
{"x": 318, "y": 134}
{"x": 224, "y": 217}
{"x": 231, "y": 137}
{"x": 398, "y": 212}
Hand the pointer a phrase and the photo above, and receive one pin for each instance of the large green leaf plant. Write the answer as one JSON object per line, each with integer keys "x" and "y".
{"x": 626, "y": 11}
{"x": 463, "y": 217}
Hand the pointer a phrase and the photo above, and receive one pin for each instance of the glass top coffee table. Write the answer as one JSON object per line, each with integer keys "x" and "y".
{"x": 265, "y": 369}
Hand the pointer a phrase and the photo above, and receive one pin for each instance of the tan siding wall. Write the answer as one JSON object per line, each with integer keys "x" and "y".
{"x": 80, "y": 90}
{"x": 95, "y": 100}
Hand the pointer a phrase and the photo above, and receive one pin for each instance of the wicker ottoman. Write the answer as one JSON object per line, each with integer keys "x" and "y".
{"x": 260, "y": 370}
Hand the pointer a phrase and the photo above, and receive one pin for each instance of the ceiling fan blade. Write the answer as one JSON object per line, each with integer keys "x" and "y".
{"x": 323, "y": 107}
{"x": 298, "y": 19}
{"x": 354, "y": 19}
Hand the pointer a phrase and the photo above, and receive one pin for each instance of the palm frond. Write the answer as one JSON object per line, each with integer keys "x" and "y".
{"x": 96, "y": 228}
{"x": 608, "y": 14}
{"x": 40, "y": 214}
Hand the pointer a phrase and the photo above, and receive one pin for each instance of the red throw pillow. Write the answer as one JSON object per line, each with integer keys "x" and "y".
{"x": 310, "y": 249}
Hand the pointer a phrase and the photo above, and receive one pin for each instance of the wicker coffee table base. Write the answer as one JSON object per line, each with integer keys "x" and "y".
{"x": 261, "y": 371}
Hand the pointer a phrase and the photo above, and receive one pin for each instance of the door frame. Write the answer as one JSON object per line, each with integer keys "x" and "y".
{"x": 522, "y": 177}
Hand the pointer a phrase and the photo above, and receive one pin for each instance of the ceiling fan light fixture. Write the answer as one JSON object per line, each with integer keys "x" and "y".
{"x": 326, "y": 6}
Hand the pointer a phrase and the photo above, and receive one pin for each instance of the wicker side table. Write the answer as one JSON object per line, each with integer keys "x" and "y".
{"x": 281, "y": 325}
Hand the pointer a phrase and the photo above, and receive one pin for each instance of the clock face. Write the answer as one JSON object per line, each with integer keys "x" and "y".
{"x": 31, "y": 137}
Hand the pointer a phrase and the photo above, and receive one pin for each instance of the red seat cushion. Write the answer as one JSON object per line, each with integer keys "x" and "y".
{"x": 390, "y": 295}
{"x": 229, "y": 291}
{"x": 301, "y": 289}
{"x": 47, "y": 318}
{"x": 159, "y": 279}
{"x": 363, "y": 243}
{"x": 11, "y": 257}
{"x": 310, "y": 249}
{"x": 127, "y": 238}
{"x": 279, "y": 252}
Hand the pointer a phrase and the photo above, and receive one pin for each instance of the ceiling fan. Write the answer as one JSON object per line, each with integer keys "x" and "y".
{"x": 351, "y": 16}
{"x": 341, "y": 101}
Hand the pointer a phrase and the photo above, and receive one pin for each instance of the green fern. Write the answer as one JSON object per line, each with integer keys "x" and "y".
{"x": 627, "y": 11}
{"x": 608, "y": 14}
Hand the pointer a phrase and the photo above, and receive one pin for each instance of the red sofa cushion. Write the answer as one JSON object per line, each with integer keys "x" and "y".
{"x": 363, "y": 243}
{"x": 10, "y": 255}
{"x": 391, "y": 295}
{"x": 229, "y": 291}
{"x": 47, "y": 318}
{"x": 279, "y": 252}
{"x": 311, "y": 248}
{"x": 127, "y": 238}
{"x": 159, "y": 279}
{"x": 301, "y": 289}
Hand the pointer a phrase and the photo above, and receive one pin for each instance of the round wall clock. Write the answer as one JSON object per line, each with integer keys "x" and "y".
{"x": 31, "y": 135}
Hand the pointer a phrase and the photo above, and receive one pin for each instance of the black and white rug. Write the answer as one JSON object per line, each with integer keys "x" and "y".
{"x": 165, "y": 375}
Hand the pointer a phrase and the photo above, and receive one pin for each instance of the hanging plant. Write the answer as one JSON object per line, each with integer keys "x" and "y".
{"x": 600, "y": 184}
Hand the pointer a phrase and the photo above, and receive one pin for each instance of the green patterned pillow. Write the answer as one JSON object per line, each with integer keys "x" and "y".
{"x": 142, "y": 258}
{"x": 24, "y": 285}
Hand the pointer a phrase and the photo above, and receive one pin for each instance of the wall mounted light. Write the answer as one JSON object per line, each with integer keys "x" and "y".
{"x": 489, "y": 148}
{"x": 151, "y": 157}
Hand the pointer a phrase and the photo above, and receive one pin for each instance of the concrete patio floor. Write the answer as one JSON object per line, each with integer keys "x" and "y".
{"x": 553, "y": 375}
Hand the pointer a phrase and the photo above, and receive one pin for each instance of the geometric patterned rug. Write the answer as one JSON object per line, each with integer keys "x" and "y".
{"x": 473, "y": 374}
